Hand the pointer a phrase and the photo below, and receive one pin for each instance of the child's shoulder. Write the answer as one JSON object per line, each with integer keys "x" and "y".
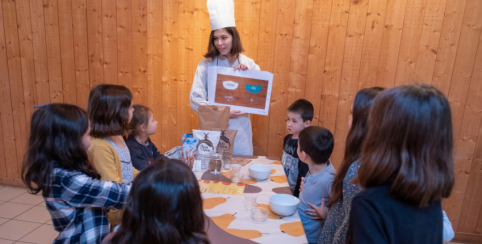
{"x": 287, "y": 137}
{"x": 131, "y": 141}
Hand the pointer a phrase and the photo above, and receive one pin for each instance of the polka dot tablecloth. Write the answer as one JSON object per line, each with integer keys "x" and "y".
{"x": 229, "y": 220}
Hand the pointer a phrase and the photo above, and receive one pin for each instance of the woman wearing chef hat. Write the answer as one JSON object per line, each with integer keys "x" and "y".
{"x": 224, "y": 50}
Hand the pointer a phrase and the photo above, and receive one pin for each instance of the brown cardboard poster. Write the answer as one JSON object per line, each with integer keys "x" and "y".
{"x": 241, "y": 91}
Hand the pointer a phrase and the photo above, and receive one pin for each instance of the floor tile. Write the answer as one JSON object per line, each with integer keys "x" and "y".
{"x": 14, "y": 229}
{"x": 9, "y": 192}
{"x": 36, "y": 214}
{"x": 21, "y": 242}
{"x": 2, "y": 220}
{"x": 49, "y": 222}
{"x": 42, "y": 204}
{"x": 45, "y": 234}
{"x": 29, "y": 199}
{"x": 3, "y": 241}
{"x": 11, "y": 210}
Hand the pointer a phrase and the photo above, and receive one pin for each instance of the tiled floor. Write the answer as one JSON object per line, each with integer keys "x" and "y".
{"x": 24, "y": 218}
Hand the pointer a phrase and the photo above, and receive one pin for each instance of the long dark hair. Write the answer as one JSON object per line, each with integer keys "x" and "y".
{"x": 109, "y": 110}
{"x": 164, "y": 206}
{"x": 355, "y": 138}
{"x": 55, "y": 140}
{"x": 409, "y": 145}
{"x": 236, "y": 46}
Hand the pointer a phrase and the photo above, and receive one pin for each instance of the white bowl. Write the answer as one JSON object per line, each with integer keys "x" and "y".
{"x": 284, "y": 204}
{"x": 259, "y": 171}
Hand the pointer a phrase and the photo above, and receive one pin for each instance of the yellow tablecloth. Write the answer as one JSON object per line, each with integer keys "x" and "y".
{"x": 229, "y": 214}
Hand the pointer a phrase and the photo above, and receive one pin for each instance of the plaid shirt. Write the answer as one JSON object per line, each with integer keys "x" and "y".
{"x": 79, "y": 204}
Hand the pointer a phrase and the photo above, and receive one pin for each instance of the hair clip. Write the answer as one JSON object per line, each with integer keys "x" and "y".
{"x": 41, "y": 106}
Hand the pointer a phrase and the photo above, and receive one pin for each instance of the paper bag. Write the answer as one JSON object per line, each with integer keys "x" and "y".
{"x": 211, "y": 116}
{"x": 207, "y": 142}
{"x": 226, "y": 142}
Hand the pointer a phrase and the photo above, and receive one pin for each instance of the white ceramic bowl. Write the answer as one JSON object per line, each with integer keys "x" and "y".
{"x": 259, "y": 171}
{"x": 284, "y": 204}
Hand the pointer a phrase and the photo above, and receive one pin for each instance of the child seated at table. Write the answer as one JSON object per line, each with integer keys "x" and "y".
{"x": 300, "y": 115}
{"x": 315, "y": 146}
{"x": 142, "y": 125}
{"x": 164, "y": 206}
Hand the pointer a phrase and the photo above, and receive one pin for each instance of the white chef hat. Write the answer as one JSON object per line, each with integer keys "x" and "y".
{"x": 221, "y": 13}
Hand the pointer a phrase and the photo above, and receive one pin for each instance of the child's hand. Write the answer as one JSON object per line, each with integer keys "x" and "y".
{"x": 316, "y": 212}
{"x": 302, "y": 182}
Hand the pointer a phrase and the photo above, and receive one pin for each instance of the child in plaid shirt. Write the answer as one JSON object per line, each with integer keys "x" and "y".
{"x": 57, "y": 164}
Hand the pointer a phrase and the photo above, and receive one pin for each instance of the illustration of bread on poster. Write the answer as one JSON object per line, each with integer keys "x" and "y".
{"x": 248, "y": 91}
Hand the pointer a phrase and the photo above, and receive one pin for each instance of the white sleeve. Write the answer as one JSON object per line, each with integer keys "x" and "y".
{"x": 448, "y": 230}
{"x": 199, "y": 89}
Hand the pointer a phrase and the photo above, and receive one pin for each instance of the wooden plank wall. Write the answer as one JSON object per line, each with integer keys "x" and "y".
{"x": 320, "y": 50}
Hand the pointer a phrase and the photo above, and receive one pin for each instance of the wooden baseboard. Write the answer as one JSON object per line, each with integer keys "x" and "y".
{"x": 12, "y": 182}
{"x": 467, "y": 237}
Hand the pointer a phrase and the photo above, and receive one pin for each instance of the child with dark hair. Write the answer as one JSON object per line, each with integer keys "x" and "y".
{"x": 406, "y": 168}
{"x": 315, "y": 146}
{"x": 164, "y": 206}
{"x": 342, "y": 190}
{"x": 110, "y": 111}
{"x": 141, "y": 148}
{"x": 56, "y": 164}
{"x": 300, "y": 115}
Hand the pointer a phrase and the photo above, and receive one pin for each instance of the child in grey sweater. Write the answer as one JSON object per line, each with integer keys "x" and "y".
{"x": 315, "y": 145}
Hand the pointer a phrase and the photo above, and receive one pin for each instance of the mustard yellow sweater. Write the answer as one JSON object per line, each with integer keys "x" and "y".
{"x": 107, "y": 162}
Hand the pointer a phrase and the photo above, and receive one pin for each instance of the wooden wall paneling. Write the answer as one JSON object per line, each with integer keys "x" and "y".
{"x": 7, "y": 127}
{"x": 468, "y": 141}
{"x": 266, "y": 49}
{"x": 469, "y": 237}
{"x": 250, "y": 32}
{"x": 16, "y": 84}
{"x": 139, "y": 51}
{"x": 40, "y": 51}
{"x": 372, "y": 43}
{"x": 185, "y": 72}
{"x": 459, "y": 88}
{"x": 3, "y": 165}
{"x": 299, "y": 51}
{"x": 282, "y": 63}
{"x": 154, "y": 64}
{"x": 109, "y": 40}
{"x": 449, "y": 41}
{"x": 24, "y": 27}
{"x": 250, "y": 38}
{"x": 95, "y": 42}
{"x": 478, "y": 166}
{"x": 239, "y": 15}
{"x": 427, "y": 53}
{"x": 333, "y": 63}
{"x": 169, "y": 81}
{"x": 355, "y": 34}
{"x": 202, "y": 30}
{"x": 124, "y": 43}
{"x": 390, "y": 46}
{"x": 409, "y": 47}
{"x": 67, "y": 51}
{"x": 81, "y": 52}
{"x": 52, "y": 38}
{"x": 317, "y": 55}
